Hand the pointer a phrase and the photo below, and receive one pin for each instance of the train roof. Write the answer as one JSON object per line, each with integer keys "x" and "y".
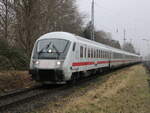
{"x": 73, "y": 37}
{"x": 61, "y": 35}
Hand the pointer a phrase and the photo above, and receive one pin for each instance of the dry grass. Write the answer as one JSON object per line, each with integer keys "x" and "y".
{"x": 126, "y": 91}
{"x": 13, "y": 80}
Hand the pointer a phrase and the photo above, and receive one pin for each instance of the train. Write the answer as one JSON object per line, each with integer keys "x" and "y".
{"x": 62, "y": 57}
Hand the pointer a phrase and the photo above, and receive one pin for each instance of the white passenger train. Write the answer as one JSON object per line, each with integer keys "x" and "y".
{"x": 58, "y": 57}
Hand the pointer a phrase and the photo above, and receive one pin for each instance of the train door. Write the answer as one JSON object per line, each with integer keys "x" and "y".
{"x": 85, "y": 56}
{"x": 82, "y": 56}
{"x": 110, "y": 58}
{"x": 74, "y": 56}
{"x": 74, "y": 52}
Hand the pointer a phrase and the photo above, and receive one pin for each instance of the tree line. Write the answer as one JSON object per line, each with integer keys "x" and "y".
{"x": 23, "y": 21}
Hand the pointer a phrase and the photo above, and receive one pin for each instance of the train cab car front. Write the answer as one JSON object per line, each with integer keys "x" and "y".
{"x": 47, "y": 60}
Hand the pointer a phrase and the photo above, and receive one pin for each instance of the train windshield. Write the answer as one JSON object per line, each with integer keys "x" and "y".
{"x": 52, "y": 49}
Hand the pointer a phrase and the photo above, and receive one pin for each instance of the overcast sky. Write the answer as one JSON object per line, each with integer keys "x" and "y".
{"x": 132, "y": 15}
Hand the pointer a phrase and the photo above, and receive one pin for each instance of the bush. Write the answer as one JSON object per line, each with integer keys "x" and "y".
{"x": 12, "y": 57}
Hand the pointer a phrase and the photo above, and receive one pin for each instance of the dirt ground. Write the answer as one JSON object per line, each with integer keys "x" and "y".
{"x": 126, "y": 91}
{"x": 13, "y": 80}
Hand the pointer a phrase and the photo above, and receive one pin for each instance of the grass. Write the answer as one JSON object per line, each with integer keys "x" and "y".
{"x": 12, "y": 80}
{"x": 125, "y": 91}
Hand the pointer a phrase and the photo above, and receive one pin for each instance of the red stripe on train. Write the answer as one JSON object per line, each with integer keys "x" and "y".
{"x": 99, "y": 62}
{"x": 82, "y": 63}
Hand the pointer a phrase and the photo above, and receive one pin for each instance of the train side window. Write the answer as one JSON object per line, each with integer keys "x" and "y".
{"x": 103, "y": 54}
{"x": 100, "y": 53}
{"x": 94, "y": 53}
{"x": 81, "y": 52}
{"x": 89, "y": 53}
{"x": 74, "y": 46}
{"x": 97, "y": 53}
{"x": 85, "y": 52}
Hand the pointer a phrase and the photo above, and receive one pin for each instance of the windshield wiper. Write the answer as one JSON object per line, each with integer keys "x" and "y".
{"x": 48, "y": 46}
{"x": 45, "y": 48}
{"x": 56, "y": 50}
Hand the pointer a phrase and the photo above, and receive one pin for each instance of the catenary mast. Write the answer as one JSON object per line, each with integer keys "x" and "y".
{"x": 92, "y": 21}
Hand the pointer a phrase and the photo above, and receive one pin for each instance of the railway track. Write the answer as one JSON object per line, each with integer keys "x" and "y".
{"x": 11, "y": 100}
{"x": 27, "y": 95}
{"x": 16, "y": 96}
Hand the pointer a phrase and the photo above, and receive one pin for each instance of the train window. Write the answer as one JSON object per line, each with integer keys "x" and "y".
{"x": 89, "y": 53}
{"x": 85, "y": 52}
{"x": 81, "y": 52}
{"x": 103, "y": 54}
{"x": 94, "y": 53}
{"x": 100, "y": 54}
{"x": 74, "y": 46}
{"x": 107, "y": 55}
{"x": 97, "y": 53}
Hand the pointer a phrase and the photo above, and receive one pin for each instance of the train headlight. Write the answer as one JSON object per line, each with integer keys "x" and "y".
{"x": 58, "y": 63}
{"x": 36, "y": 62}
{"x": 50, "y": 51}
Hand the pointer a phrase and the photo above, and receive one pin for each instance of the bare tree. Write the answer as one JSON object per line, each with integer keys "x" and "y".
{"x": 6, "y": 19}
{"x": 63, "y": 16}
{"x": 27, "y": 23}
{"x": 101, "y": 37}
{"x": 23, "y": 21}
{"x": 129, "y": 47}
{"x": 36, "y": 17}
